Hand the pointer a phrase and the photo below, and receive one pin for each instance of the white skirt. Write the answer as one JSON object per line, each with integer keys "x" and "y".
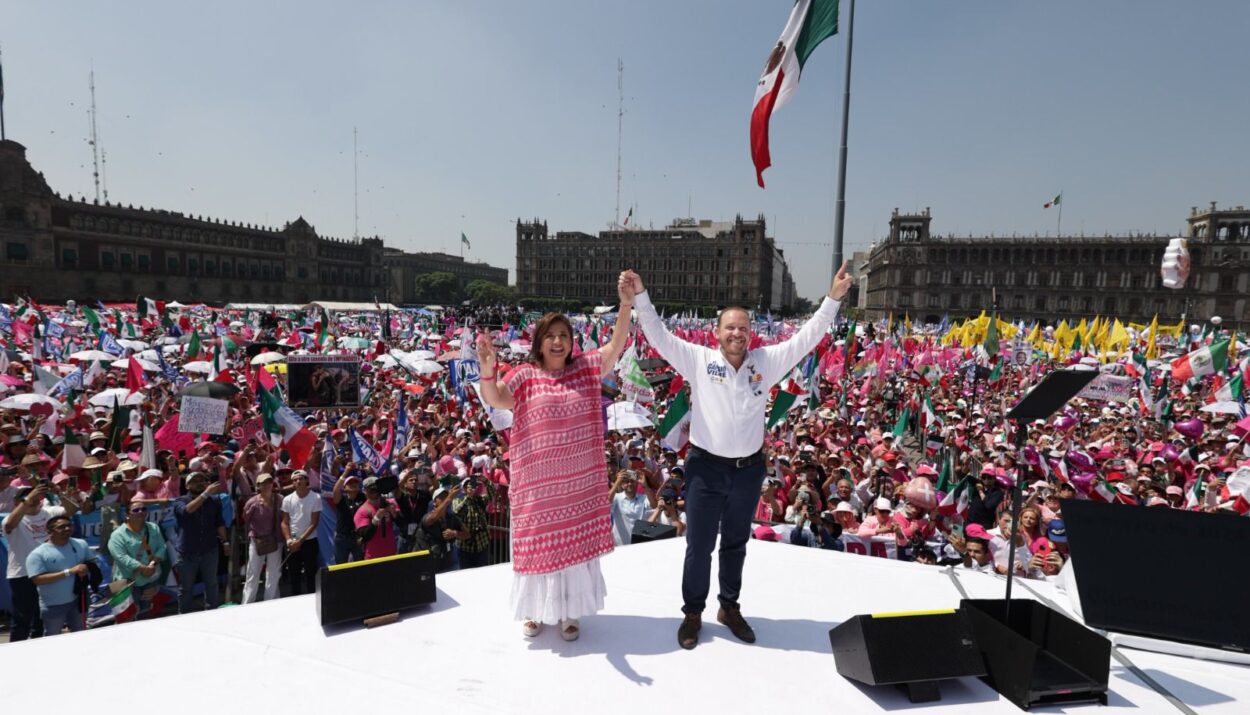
{"x": 571, "y": 592}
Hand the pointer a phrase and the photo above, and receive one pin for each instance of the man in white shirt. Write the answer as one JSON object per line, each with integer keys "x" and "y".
{"x": 301, "y": 513}
{"x": 724, "y": 471}
{"x": 628, "y": 505}
{"x": 26, "y": 528}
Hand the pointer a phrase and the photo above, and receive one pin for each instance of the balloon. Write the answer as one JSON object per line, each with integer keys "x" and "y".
{"x": 919, "y": 492}
{"x": 1191, "y": 428}
{"x": 1080, "y": 460}
{"x": 1005, "y": 477}
{"x": 1064, "y": 423}
{"x": 1169, "y": 453}
{"x": 1032, "y": 457}
{"x": 1083, "y": 481}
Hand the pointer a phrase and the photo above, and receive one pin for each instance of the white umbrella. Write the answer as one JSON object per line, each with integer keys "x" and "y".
{"x": 1223, "y": 407}
{"x": 386, "y": 361}
{"x": 519, "y": 346}
{"x": 123, "y": 396}
{"x": 268, "y": 357}
{"x": 132, "y": 344}
{"x": 628, "y": 415}
{"x": 203, "y": 366}
{"x": 149, "y": 355}
{"x": 26, "y": 400}
{"x": 125, "y": 362}
{"x": 92, "y": 355}
{"x": 420, "y": 355}
{"x": 174, "y": 304}
{"x": 453, "y": 343}
{"x": 424, "y": 367}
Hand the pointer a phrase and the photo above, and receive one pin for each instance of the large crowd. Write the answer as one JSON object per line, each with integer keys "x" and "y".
{"x": 888, "y": 439}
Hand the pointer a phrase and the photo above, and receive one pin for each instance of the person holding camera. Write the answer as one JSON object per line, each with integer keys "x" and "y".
{"x": 629, "y": 504}
{"x": 201, "y": 536}
{"x": 558, "y": 472}
{"x": 442, "y": 528}
{"x": 26, "y": 527}
{"x": 470, "y": 506}
{"x": 375, "y": 522}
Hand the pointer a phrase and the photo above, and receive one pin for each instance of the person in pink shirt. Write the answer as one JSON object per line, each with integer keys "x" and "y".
{"x": 375, "y": 522}
{"x": 844, "y": 514}
{"x": 879, "y": 522}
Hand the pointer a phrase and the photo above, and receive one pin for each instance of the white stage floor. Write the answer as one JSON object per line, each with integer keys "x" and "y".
{"x": 465, "y": 654}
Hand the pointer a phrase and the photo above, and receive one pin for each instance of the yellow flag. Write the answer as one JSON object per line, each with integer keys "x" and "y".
{"x": 1118, "y": 336}
{"x": 1152, "y": 350}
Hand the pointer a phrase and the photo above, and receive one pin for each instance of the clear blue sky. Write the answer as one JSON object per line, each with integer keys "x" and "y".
{"x": 472, "y": 113}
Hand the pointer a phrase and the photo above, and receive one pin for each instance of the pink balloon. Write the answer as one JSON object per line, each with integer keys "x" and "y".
{"x": 1065, "y": 423}
{"x": 1032, "y": 457}
{"x": 1080, "y": 460}
{"x": 1191, "y": 428}
{"x": 1083, "y": 481}
{"x": 919, "y": 492}
{"x": 1169, "y": 453}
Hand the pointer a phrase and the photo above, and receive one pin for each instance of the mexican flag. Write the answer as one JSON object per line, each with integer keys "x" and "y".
{"x": 72, "y": 455}
{"x": 811, "y": 21}
{"x": 675, "y": 427}
{"x": 785, "y": 400}
{"x": 900, "y": 427}
{"x": 1054, "y": 202}
{"x": 1206, "y": 360}
{"x": 1101, "y": 491}
{"x": 146, "y": 307}
{"x": 193, "y": 347}
{"x": 1231, "y": 390}
{"x": 286, "y": 428}
{"x": 958, "y": 500}
{"x": 1194, "y": 497}
{"x": 931, "y": 418}
{"x": 122, "y": 604}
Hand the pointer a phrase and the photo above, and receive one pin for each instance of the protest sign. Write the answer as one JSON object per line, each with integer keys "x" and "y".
{"x": 249, "y": 430}
{"x": 1110, "y": 388}
{"x": 203, "y": 414}
{"x": 881, "y": 546}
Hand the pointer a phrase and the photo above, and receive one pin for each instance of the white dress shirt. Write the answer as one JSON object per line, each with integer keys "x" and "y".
{"x": 727, "y": 405}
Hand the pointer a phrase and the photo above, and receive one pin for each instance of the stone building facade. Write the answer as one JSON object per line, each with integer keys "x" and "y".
{"x": 689, "y": 262}
{"x": 55, "y": 248}
{"x": 927, "y": 276}
{"x": 404, "y": 267}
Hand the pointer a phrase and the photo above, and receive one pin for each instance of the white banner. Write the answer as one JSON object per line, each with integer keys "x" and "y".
{"x": 885, "y": 547}
{"x": 1110, "y": 388}
{"x": 203, "y": 414}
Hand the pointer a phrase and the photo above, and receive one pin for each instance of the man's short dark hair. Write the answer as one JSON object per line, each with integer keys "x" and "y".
{"x": 978, "y": 540}
{"x": 927, "y": 553}
{"x": 53, "y": 519}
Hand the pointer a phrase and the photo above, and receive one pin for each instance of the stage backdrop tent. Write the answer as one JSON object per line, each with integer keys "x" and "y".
{"x": 344, "y": 306}
{"x": 280, "y": 307}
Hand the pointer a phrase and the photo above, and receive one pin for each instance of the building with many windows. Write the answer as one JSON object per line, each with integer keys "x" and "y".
{"x": 1032, "y": 277}
{"x": 54, "y": 248}
{"x": 404, "y": 267}
{"x": 694, "y": 263}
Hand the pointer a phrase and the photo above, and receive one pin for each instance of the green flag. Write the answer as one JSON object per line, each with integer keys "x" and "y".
{"x": 900, "y": 427}
{"x": 991, "y": 337}
{"x": 193, "y": 347}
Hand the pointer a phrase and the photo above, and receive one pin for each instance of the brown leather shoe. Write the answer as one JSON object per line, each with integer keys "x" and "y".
{"x": 688, "y": 631}
{"x": 737, "y": 624}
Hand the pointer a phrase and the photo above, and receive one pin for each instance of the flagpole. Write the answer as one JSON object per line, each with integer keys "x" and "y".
{"x": 1059, "y": 224}
{"x": 839, "y": 214}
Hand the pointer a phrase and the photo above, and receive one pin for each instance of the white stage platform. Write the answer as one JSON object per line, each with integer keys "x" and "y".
{"x": 466, "y": 655}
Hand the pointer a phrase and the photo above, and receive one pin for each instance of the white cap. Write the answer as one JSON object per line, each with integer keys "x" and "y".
{"x": 884, "y": 504}
{"x": 151, "y": 473}
{"x": 844, "y": 506}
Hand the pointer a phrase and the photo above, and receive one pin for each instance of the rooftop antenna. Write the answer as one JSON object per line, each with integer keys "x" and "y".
{"x": 2, "y": 137}
{"x": 95, "y": 139}
{"x": 620, "y": 126}
{"x": 355, "y": 187}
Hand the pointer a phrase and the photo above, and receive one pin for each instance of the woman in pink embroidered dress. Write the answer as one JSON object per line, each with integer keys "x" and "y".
{"x": 559, "y": 494}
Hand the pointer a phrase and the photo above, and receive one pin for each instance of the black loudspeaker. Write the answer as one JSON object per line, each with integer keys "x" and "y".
{"x": 1117, "y": 550}
{"x": 364, "y": 589}
{"x": 1041, "y": 657}
{"x": 911, "y": 650}
{"x": 645, "y": 531}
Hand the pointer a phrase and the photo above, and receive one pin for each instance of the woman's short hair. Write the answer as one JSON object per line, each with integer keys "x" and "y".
{"x": 544, "y": 326}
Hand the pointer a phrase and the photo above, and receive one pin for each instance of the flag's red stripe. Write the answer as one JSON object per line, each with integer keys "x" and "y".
{"x": 759, "y": 128}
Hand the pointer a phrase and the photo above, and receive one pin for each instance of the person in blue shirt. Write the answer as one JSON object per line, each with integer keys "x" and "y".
{"x": 53, "y": 567}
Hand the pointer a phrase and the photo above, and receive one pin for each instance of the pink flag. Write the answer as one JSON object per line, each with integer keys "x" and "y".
{"x": 168, "y": 437}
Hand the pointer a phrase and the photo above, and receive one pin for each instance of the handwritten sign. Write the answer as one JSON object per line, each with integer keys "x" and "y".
{"x": 203, "y": 414}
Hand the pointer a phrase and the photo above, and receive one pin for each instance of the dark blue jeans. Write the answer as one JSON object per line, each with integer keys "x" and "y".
{"x": 720, "y": 497}
{"x": 27, "y": 622}
{"x": 202, "y": 567}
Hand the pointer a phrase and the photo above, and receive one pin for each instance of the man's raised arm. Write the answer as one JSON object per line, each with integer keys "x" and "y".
{"x": 685, "y": 357}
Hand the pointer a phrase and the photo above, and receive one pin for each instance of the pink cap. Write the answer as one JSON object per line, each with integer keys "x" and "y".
{"x": 765, "y": 533}
{"x": 976, "y": 531}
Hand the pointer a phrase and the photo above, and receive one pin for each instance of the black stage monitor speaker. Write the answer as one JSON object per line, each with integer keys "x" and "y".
{"x": 1041, "y": 657}
{"x": 645, "y": 531}
{"x": 364, "y": 589}
{"x": 1159, "y": 572}
{"x": 911, "y": 650}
